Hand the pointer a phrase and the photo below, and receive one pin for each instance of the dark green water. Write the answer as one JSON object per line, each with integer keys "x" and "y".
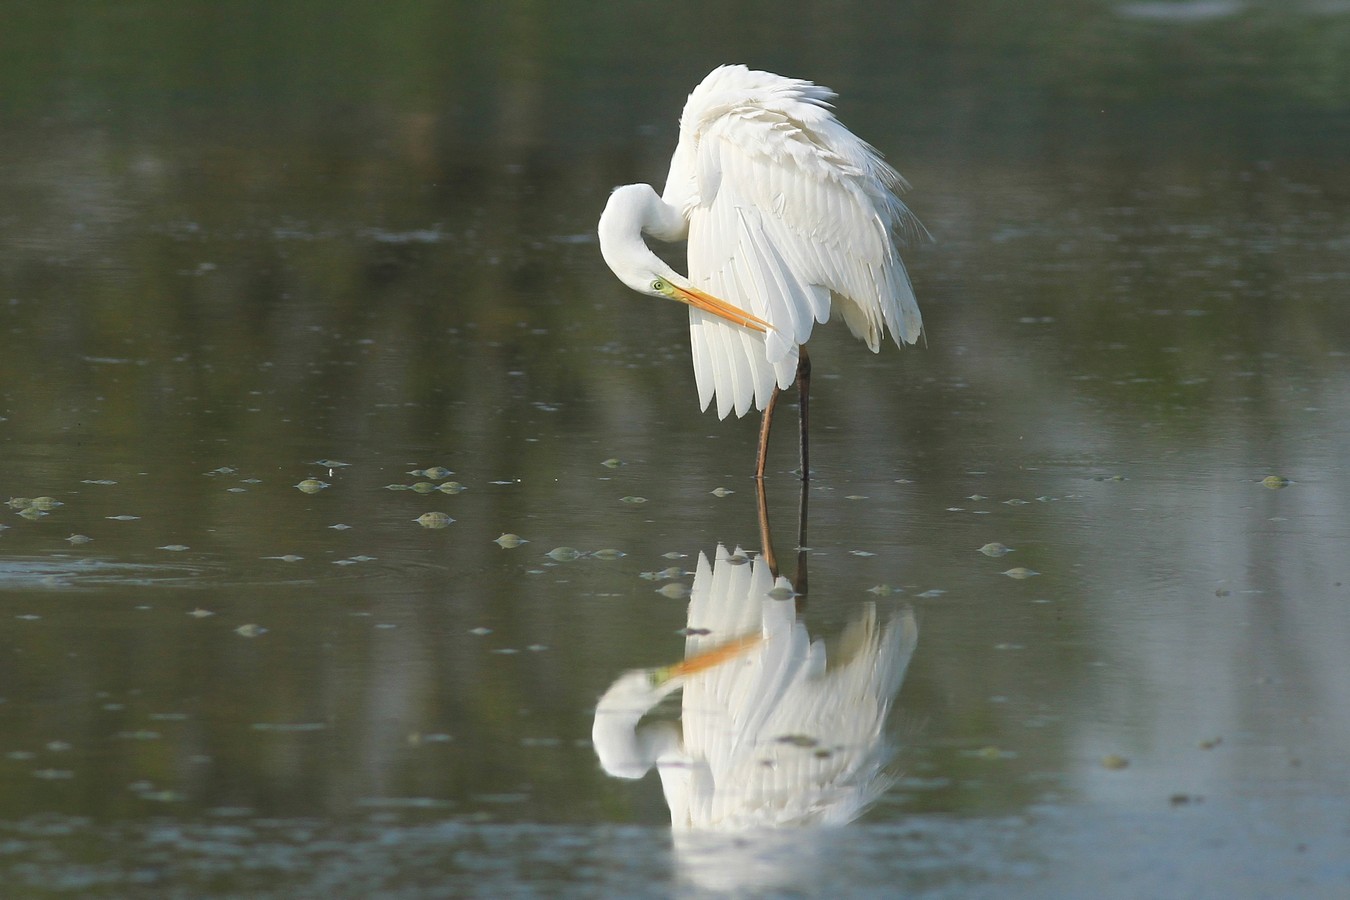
{"x": 245, "y": 246}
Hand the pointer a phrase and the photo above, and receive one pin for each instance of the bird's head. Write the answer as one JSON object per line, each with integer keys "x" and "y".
{"x": 631, "y": 210}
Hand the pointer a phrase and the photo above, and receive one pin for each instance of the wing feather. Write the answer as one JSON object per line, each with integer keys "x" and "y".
{"x": 789, "y": 214}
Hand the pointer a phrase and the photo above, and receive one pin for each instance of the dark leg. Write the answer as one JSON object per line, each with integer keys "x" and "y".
{"x": 803, "y": 399}
{"x": 765, "y": 535}
{"x": 799, "y": 585}
{"x": 765, "y": 422}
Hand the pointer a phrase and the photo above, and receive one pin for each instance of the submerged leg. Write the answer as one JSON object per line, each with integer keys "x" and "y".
{"x": 803, "y": 399}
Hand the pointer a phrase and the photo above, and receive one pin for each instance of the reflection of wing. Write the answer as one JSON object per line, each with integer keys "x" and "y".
{"x": 774, "y": 736}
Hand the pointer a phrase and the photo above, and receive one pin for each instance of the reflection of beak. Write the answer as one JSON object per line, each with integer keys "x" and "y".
{"x": 709, "y": 658}
{"x": 708, "y": 303}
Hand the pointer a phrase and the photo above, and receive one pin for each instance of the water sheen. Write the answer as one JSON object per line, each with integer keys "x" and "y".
{"x": 262, "y": 275}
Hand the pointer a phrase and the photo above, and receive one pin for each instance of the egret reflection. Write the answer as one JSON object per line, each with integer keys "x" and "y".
{"x": 771, "y": 732}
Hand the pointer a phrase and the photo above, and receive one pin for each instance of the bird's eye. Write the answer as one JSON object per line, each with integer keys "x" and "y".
{"x": 658, "y": 285}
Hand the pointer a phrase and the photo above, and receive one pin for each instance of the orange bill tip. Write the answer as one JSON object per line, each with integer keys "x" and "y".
{"x": 720, "y": 308}
{"x": 714, "y": 657}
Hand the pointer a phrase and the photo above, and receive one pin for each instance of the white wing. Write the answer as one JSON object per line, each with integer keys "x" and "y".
{"x": 773, "y": 737}
{"x": 789, "y": 214}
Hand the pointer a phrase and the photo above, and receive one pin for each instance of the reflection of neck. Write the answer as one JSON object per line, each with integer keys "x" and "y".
{"x": 624, "y": 749}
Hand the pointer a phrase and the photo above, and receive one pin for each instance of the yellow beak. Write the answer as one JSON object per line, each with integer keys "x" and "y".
{"x": 709, "y": 658}
{"x": 708, "y": 303}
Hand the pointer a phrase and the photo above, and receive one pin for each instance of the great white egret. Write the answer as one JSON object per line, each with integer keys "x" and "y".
{"x": 789, "y": 216}
{"x": 769, "y": 734}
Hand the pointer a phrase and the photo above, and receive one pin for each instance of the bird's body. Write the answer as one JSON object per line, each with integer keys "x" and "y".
{"x": 769, "y": 734}
{"x": 789, "y": 217}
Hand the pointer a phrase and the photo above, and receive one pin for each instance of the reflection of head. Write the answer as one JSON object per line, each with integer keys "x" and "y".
{"x": 769, "y": 734}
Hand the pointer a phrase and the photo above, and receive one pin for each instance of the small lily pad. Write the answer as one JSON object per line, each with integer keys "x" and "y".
{"x": 508, "y": 540}
{"x": 1020, "y": 572}
{"x": 434, "y": 520}
{"x": 250, "y": 630}
{"x": 675, "y": 590}
{"x": 1274, "y": 482}
{"x": 994, "y": 548}
{"x": 311, "y": 485}
{"x": 564, "y": 554}
{"x": 608, "y": 554}
{"x": 634, "y": 500}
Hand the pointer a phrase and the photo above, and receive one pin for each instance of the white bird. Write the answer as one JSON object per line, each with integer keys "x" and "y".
{"x": 789, "y": 216}
{"x": 769, "y": 735}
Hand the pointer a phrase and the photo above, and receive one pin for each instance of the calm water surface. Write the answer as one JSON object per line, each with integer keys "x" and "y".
{"x": 258, "y": 278}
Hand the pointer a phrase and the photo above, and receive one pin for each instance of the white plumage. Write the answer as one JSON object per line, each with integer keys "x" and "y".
{"x": 788, "y": 216}
{"x": 769, "y": 735}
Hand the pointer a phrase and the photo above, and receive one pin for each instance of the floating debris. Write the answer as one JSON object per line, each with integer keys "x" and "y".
{"x": 798, "y": 740}
{"x": 480, "y": 631}
{"x": 508, "y": 540}
{"x": 45, "y": 503}
{"x": 53, "y": 774}
{"x": 289, "y": 557}
{"x": 311, "y": 485}
{"x": 339, "y": 527}
{"x": 675, "y": 590}
{"x": 861, "y": 553}
{"x": 396, "y": 487}
{"x": 143, "y": 735}
{"x": 433, "y": 520}
{"x": 612, "y": 463}
{"x": 176, "y": 548}
{"x": 1020, "y": 572}
{"x": 855, "y": 497}
{"x": 564, "y": 554}
{"x": 1274, "y": 482}
{"x": 250, "y": 630}
{"x": 934, "y": 592}
{"x": 200, "y": 613}
{"x": 631, "y": 499}
{"x": 122, "y": 518}
{"x": 721, "y": 492}
{"x": 990, "y": 752}
{"x": 331, "y": 463}
{"x": 1114, "y": 762}
{"x": 100, "y": 481}
{"x": 675, "y": 554}
{"x": 994, "y": 548}
{"x": 1016, "y": 501}
{"x": 1109, "y": 478}
{"x": 435, "y": 473}
{"x": 288, "y": 727}
{"x": 882, "y": 590}
{"x": 608, "y": 554}
{"x": 79, "y": 539}
{"x": 977, "y": 497}
{"x": 223, "y": 470}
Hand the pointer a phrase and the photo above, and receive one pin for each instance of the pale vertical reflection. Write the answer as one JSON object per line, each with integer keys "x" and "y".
{"x": 771, "y": 732}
